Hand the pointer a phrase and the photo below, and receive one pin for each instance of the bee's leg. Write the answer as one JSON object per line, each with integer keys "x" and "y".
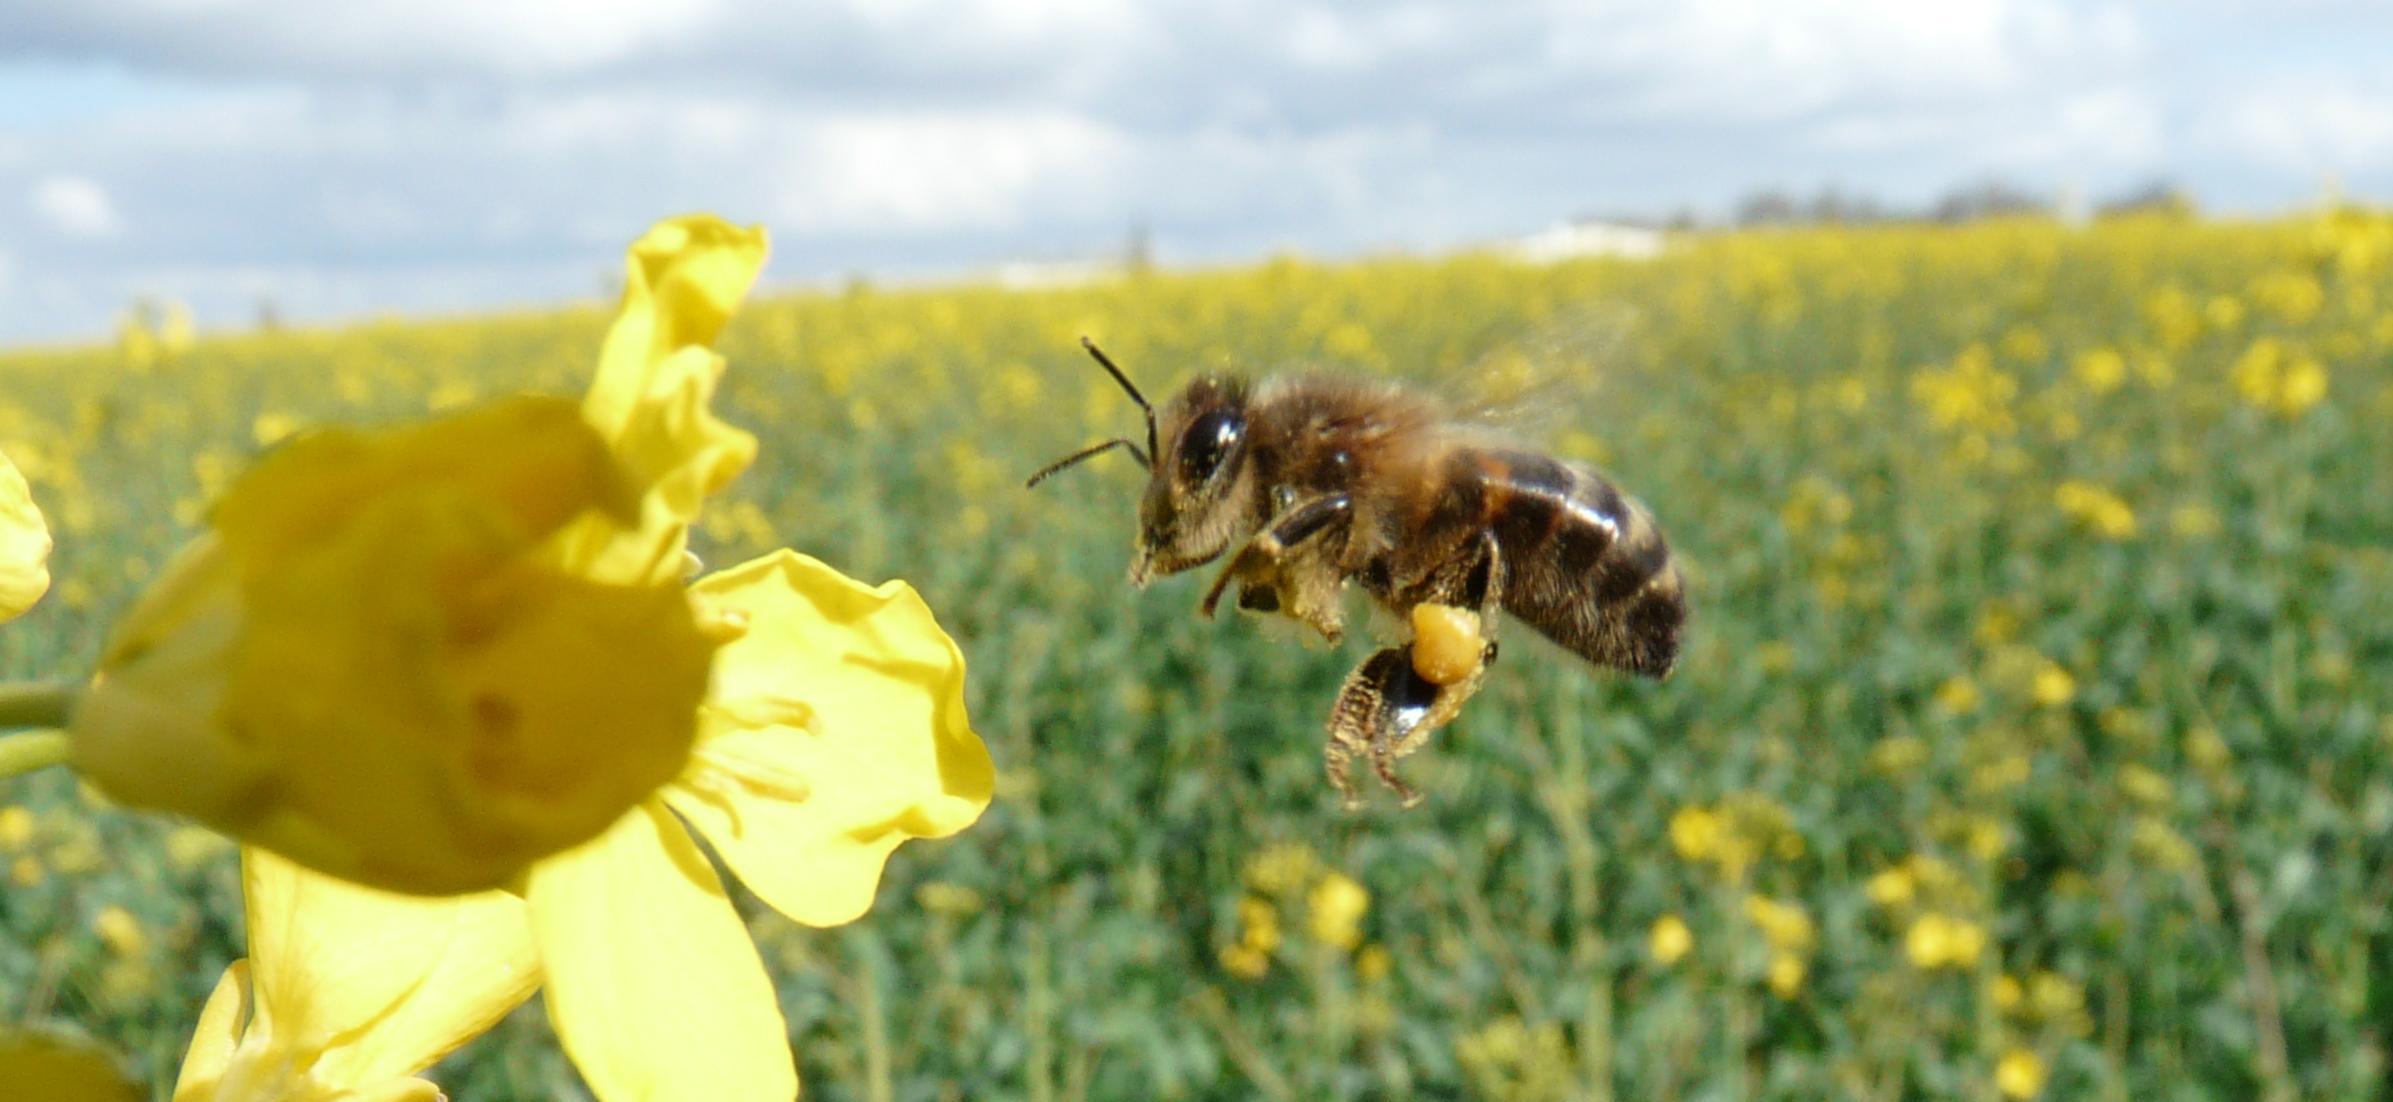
{"x": 1262, "y": 565}
{"x": 1478, "y": 583}
{"x": 1352, "y": 721}
{"x": 1382, "y": 702}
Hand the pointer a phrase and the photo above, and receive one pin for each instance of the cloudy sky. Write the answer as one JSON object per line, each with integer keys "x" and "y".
{"x": 341, "y": 159}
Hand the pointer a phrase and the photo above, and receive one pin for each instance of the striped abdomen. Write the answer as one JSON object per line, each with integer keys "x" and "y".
{"x": 1584, "y": 564}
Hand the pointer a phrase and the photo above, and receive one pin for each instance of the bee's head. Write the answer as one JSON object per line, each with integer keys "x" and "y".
{"x": 1198, "y": 485}
{"x": 1201, "y": 486}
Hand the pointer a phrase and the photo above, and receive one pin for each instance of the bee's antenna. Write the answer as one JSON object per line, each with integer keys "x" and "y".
{"x": 1091, "y": 451}
{"x": 1135, "y": 396}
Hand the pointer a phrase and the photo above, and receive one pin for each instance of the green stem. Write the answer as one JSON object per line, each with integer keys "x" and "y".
{"x": 31, "y": 750}
{"x": 36, "y": 703}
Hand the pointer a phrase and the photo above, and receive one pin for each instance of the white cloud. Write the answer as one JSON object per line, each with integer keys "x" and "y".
{"x": 2307, "y": 126}
{"x": 520, "y": 37}
{"x": 76, "y": 206}
{"x": 924, "y": 173}
{"x": 1763, "y": 60}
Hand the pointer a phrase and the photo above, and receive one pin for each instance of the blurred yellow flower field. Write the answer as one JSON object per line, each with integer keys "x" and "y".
{"x": 2034, "y": 736}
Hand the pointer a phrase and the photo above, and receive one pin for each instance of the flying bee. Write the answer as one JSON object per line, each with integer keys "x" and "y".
{"x": 1307, "y": 482}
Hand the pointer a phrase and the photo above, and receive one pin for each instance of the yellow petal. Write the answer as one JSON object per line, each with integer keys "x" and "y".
{"x": 521, "y": 467}
{"x": 55, "y": 1069}
{"x": 835, "y": 732}
{"x": 682, "y": 279}
{"x": 24, "y": 544}
{"x": 218, "y": 1033}
{"x": 382, "y": 985}
{"x": 653, "y": 986}
{"x": 656, "y": 377}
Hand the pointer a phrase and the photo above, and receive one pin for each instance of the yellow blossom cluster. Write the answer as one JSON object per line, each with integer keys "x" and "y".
{"x": 1969, "y": 395}
{"x": 2279, "y": 379}
{"x": 2096, "y": 508}
{"x": 1289, "y": 876}
{"x": 1792, "y": 938}
{"x": 1735, "y": 834}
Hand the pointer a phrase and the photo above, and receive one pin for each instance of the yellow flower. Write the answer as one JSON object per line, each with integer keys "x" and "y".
{"x": 1336, "y": 908}
{"x": 1245, "y": 963}
{"x": 1258, "y": 924}
{"x": 2143, "y": 785}
{"x": 1940, "y": 941}
{"x": 388, "y": 658}
{"x": 1669, "y": 939}
{"x": 56, "y": 1069}
{"x": 2019, "y": 1074}
{"x": 1695, "y": 833}
{"x": 119, "y": 931}
{"x": 835, "y": 731}
{"x": 2279, "y": 380}
{"x": 2052, "y": 686}
{"x": 2102, "y": 370}
{"x": 2096, "y": 508}
{"x": 1786, "y": 974}
{"x": 1783, "y": 925}
{"x": 1891, "y": 887}
{"x": 354, "y": 1016}
{"x": 24, "y": 544}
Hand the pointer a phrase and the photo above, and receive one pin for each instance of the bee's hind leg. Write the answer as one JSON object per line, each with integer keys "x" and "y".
{"x": 1388, "y": 707}
{"x": 1477, "y": 583}
{"x": 1382, "y": 704}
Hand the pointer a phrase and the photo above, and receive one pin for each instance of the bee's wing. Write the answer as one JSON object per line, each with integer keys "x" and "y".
{"x": 1543, "y": 380}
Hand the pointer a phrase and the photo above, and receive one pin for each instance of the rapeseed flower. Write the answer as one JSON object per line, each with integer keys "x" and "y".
{"x": 1942, "y": 941}
{"x": 2102, "y": 370}
{"x": 2280, "y": 380}
{"x": 24, "y": 544}
{"x": 389, "y": 656}
{"x": 2095, "y": 508}
{"x": 1336, "y": 906}
{"x": 1669, "y": 940}
{"x": 2019, "y": 1074}
{"x": 2052, "y": 685}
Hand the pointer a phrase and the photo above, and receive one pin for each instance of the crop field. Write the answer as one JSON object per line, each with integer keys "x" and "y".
{"x": 2033, "y": 735}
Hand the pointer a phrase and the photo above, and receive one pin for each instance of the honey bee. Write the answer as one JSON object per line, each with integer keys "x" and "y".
{"x": 1307, "y": 482}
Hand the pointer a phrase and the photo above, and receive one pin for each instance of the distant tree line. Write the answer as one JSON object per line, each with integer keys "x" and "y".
{"x": 1990, "y": 198}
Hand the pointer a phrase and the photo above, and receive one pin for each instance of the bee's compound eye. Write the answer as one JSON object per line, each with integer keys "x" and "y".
{"x": 1207, "y": 442}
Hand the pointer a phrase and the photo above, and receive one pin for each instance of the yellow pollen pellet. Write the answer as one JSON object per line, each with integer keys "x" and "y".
{"x": 1448, "y": 645}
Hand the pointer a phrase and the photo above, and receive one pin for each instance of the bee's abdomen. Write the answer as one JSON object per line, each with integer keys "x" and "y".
{"x": 1584, "y": 564}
